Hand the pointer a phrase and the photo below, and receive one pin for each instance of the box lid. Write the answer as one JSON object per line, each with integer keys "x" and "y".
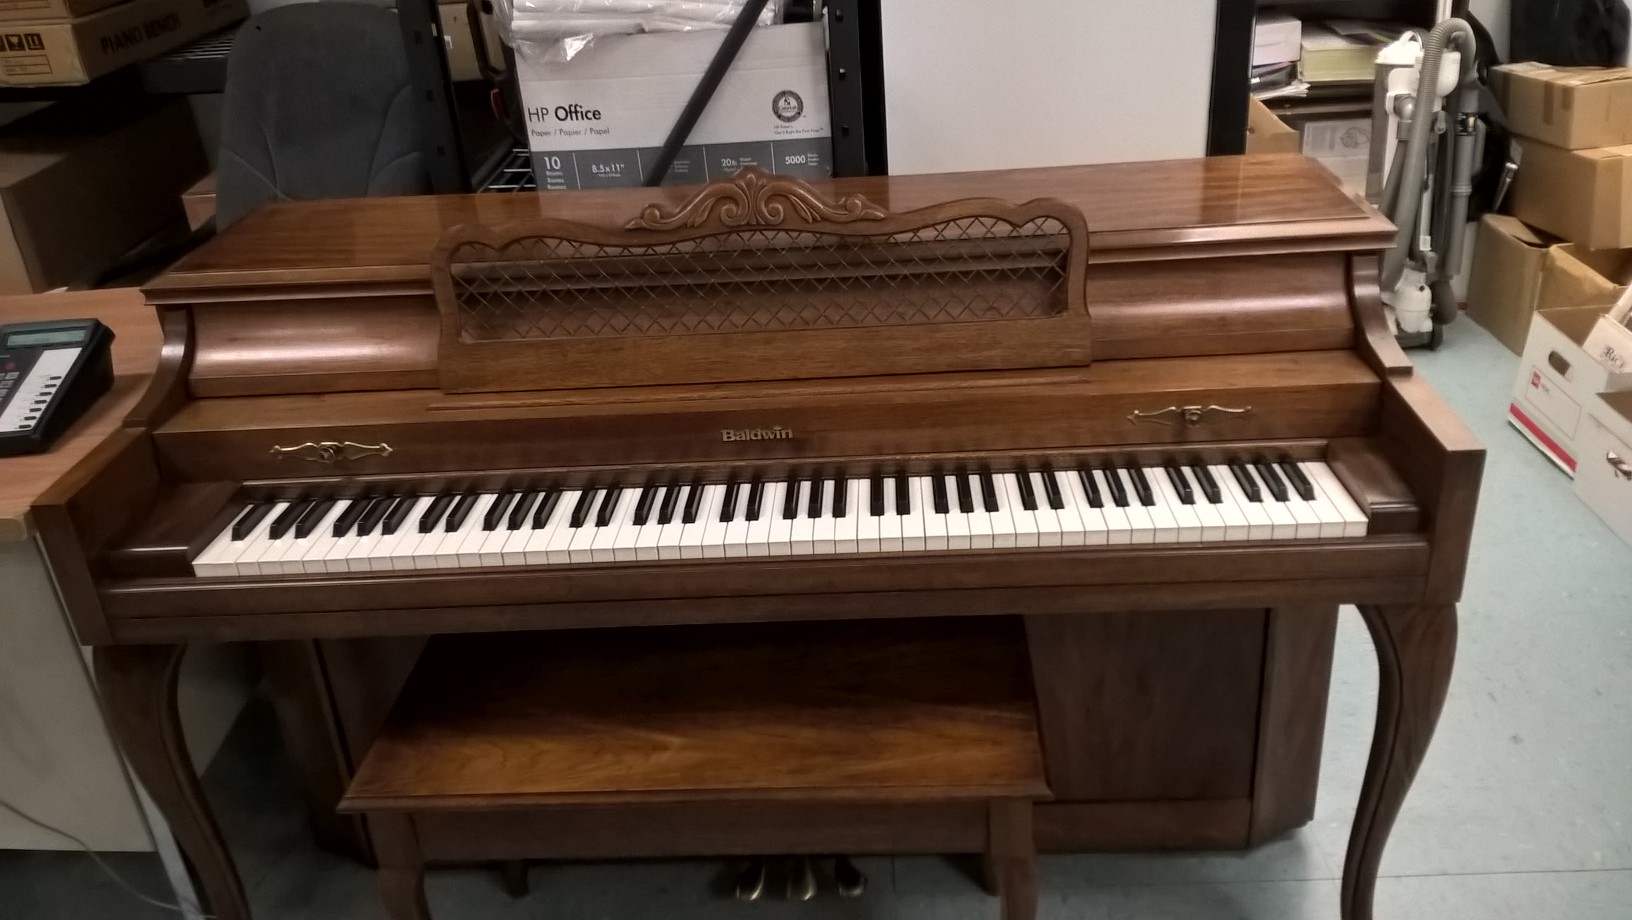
{"x": 1566, "y": 76}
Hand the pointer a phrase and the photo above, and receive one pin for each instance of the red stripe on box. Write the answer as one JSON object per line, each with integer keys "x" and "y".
{"x": 1536, "y": 432}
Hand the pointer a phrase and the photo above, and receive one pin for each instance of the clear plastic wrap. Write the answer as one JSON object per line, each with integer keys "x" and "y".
{"x": 558, "y": 30}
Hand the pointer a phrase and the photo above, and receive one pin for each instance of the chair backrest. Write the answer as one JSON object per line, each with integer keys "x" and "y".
{"x": 318, "y": 104}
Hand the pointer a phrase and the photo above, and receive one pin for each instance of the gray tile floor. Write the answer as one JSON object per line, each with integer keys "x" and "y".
{"x": 1521, "y": 810}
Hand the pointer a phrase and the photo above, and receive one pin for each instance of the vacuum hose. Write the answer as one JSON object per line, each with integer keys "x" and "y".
{"x": 1408, "y": 192}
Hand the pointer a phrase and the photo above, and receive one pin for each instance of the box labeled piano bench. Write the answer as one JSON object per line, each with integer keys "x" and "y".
{"x": 599, "y": 119}
{"x": 75, "y": 51}
{"x": 1604, "y": 478}
{"x": 1559, "y": 382}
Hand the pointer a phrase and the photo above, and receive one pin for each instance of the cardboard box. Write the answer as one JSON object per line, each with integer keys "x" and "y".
{"x": 462, "y": 62}
{"x": 49, "y": 10}
{"x": 1517, "y": 271}
{"x": 1604, "y": 480}
{"x": 80, "y": 187}
{"x": 1569, "y": 107}
{"x": 1557, "y": 383}
{"x": 1268, "y": 134}
{"x": 78, "y": 50}
{"x": 599, "y": 119}
{"x": 1276, "y": 39}
{"x": 1610, "y": 344}
{"x": 1584, "y": 196}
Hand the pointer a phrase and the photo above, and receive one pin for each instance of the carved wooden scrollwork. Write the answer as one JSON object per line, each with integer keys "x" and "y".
{"x": 754, "y": 197}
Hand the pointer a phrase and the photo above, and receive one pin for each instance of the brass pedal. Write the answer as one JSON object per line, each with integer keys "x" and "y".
{"x": 801, "y": 879}
{"x": 750, "y": 884}
{"x": 851, "y": 881}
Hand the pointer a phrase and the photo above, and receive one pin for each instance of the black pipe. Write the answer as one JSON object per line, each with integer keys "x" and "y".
{"x": 723, "y": 58}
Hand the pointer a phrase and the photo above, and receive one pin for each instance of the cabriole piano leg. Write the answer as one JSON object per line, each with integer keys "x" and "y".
{"x": 1415, "y": 650}
{"x": 137, "y": 684}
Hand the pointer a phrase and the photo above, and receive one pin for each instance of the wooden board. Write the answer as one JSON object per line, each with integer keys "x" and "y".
{"x": 906, "y": 711}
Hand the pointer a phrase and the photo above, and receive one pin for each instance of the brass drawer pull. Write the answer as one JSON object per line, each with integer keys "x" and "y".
{"x": 331, "y": 451}
{"x": 1190, "y": 415}
{"x": 1621, "y": 467}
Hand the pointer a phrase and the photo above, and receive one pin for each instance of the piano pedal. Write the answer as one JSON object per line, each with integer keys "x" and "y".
{"x": 750, "y": 883}
{"x": 801, "y": 879}
{"x": 851, "y": 881}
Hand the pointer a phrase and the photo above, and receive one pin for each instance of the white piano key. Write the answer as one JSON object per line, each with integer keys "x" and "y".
{"x": 1213, "y": 529}
{"x": 693, "y": 535}
{"x": 580, "y": 548}
{"x": 389, "y": 553}
{"x": 980, "y": 520}
{"x": 900, "y": 532}
{"x": 770, "y": 511}
{"x": 548, "y": 544}
{"x": 258, "y": 543}
{"x": 1260, "y": 526}
{"x": 1095, "y": 531}
{"x": 468, "y": 553}
{"x": 292, "y": 561}
{"x": 491, "y": 552}
{"x": 1355, "y": 522}
{"x": 1331, "y": 520}
{"x": 801, "y": 534}
{"x": 1072, "y": 530}
{"x": 713, "y": 528}
{"x": 1118, "y": 526}
{"x": 823, "y": 528}
{"x": 1165, "y": 527}
{"x": 869, "y": 528}
{"x": 1188, "y": 525}
{"x": 216, "y": 559}
{"x": 955, "y": 521}
{"x": 1049, "y": 531}
{"x": 1141, "y": 528}
{"x": 1308, "y": 521}
{"x": 931, "y": 525}
{"x": 1025, "y": 522}
{"x": 514, "y": 551}
{"x": 1285, "y": 526}
{"x": 847, "y": 529}
{"x": 1236, "y": 525}
{"x": 603, "y": 544}
{"x": 736, "y": 532}
{"x": 1002, "y": 520}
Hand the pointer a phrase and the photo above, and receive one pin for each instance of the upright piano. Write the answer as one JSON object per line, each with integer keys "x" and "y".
{"x": 1151, "y": 409}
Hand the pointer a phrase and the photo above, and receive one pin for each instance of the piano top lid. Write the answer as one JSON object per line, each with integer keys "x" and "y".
{"x": 1128, "y": 206}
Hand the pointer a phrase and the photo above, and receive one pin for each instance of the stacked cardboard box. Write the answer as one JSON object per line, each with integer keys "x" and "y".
{"x": 1546, "y": 280}
{"x": 65, "y": 42}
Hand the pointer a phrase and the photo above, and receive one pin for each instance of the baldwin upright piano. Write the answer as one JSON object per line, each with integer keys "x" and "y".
{"x": 1157, "y": 395}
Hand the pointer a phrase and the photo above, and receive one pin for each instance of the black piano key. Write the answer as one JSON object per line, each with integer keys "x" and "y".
{"x": 1141, "y": 486}
{"x": 1028, "y": 495}
{"x": 371, "y": 518}
{"x": 287, "y": 518}
{"x": 1209, "y": 485}
{"x": 988, "y": 491}
{"x": 643, "y": 504}
{"x": 1300, "y": 482}
{"x": 495, "y": 511}
{"x": 461, "y": 509}
{"x": 790, "y": 501}
{"x": 1113, "y": 482}
{"x": 756, "y": 499}
{"x": 728, "y": 502}
{"x": 966, "y": 493}
{"x": 1181, "y": 485}
{"x": 813, "y": 507}
{"x": 1271, "y": 480}
{"x": 694, "y": 504}
{"x": 667, "y": 504}
{"x": 314, "y": 516}
{"x": 250, "y": 519}
{"x": 398, "y": 513}
{"x": 903, "y": 494}
{"x": 841, "y": 496}
{"x": 1090, "y": 487}
{"x": 1051, "y": 490}
{"x": 875, "y": 490}
{"x": 609, "y": 505}
{"x": 1249, "y": 485}
{"x": 433, "y": 514}
{"x": 546, "y": 508}
{"x": 348, "y": 518}
{"x": 582, "y": 510}
{"x": 937, "y": 485}
{"x": 523, "y": 507}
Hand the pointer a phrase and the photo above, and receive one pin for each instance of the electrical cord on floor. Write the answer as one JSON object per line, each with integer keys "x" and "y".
{"x": 180, "y": 908}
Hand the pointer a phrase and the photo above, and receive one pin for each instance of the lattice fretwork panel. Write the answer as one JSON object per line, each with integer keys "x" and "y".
{"x": 964, "y": 270}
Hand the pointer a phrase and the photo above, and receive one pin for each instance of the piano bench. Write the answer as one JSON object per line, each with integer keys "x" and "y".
{"x": 870, "y": 737}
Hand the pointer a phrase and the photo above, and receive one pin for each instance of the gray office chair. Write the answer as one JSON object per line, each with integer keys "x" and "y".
{"x": 318, "y": 104}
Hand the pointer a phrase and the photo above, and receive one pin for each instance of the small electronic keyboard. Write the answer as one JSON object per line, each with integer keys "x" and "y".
{"x": 50, "y": 373}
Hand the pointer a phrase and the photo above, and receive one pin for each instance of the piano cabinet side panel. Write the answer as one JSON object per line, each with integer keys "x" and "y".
{"x": 1149, "y": 706}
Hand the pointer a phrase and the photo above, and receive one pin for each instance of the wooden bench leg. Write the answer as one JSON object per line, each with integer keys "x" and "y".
{"x": 401, "y": 876}
{"x": 1011, "y": 858}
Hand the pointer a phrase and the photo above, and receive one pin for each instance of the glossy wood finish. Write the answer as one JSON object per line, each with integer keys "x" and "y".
{"x": 1218, "y": 280}
{"x": 136, "y": 344}
{"x": 881, "y": 711}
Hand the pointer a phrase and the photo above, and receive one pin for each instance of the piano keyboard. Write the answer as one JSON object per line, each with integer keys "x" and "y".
{"x": 830, "y": 514}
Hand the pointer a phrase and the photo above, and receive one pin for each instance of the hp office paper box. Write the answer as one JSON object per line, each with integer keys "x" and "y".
{"x": 599, "y": 119}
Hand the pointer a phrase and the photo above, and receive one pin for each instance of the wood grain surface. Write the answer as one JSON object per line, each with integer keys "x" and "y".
{"x": 914, "y": 710}
{"x": 135, "y": 352}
